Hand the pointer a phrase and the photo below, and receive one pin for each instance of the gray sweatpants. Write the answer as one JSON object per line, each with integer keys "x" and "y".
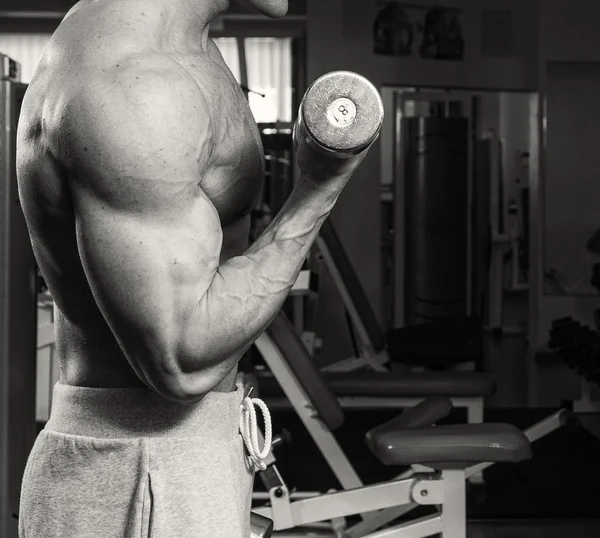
{"x": 127, "y": 463}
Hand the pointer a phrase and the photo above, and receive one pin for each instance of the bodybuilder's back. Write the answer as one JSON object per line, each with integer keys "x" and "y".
{"x": 99, "y": 47}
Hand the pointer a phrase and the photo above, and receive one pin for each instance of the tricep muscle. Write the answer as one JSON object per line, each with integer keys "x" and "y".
{"x": 148, "y": 237}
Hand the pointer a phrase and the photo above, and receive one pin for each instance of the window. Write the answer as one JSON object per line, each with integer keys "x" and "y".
{"x": 27, "y": 49}
{"x": 266, "y": 72}
{"x": 269, "y": 64}
{"x": 231, "y": 54}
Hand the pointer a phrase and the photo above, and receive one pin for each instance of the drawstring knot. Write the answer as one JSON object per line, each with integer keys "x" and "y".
{"x": 249, "y": 431}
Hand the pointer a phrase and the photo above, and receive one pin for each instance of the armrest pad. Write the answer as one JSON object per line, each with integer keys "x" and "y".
{"x": 452, "y": 446}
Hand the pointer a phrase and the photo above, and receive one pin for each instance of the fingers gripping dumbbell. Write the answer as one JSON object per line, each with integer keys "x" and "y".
{"x": 341, "y": 114}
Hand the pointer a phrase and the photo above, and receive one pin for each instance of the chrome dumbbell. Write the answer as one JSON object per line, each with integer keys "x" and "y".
{"x": 341, "y": 114}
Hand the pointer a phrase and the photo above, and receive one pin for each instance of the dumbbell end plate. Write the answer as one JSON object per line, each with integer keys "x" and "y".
{"x": 342, "y": 112}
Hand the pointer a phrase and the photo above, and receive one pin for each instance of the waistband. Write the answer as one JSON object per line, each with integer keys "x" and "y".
{"x": 139, "y": 412}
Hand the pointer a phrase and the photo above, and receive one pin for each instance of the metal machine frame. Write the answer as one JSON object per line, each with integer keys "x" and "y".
{"x": 377, "y": 504}
{"x": 18, "y": 319}
{"x": 377, "y": 361}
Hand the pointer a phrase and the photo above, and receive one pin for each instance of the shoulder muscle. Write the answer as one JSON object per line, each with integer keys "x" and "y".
{"x": 143, "y": 119}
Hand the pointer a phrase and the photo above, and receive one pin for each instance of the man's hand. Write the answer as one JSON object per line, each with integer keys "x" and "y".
{"x": 325, "y": 170}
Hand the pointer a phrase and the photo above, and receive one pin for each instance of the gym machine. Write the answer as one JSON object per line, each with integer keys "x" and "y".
{"x": 409, "y": 440}
{"x": 434, "y": 310}
{"x": 451, "y": 221}
{"x": 578, "y": 346}
{"x": 18, "y": 311}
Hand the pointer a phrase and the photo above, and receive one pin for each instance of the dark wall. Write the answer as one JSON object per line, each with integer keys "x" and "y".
{"x": 43, "y": 16}
{"x": 297, "y": 7}
{"x": 37, "y": 5}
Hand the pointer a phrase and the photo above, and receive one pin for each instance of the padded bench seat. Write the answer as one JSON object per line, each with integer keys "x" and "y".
{"x": 450, "y": 447}
{"x": 390, "y": 385}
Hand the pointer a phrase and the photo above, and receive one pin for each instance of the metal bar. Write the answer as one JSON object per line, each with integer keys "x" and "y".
{"x": 399, "y": 223}
{"x": 533, "y": 433}
{"x": 345, "y": 365}
{"x": 454, "y": 509}
{"x": 241, "y": 46}
{"x": 325, "y": 441}
{"x": 18, "y": 320}
{"x": 418, "y": 528}
{"x": 294, "y": 496}
{"x": 545, "y": 426}
{"x": 496, "y": 278}
{"x": 468, "y": 113}
{"x": 346, "y": 296}
{"x": 4, "y": 318}
{"x": 347, "y": 503}
{"x": 382, "y": 518}
{"x": 369, "y": 402}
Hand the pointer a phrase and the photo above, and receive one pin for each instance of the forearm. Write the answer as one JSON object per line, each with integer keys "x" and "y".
{"x": 247, "y": 291}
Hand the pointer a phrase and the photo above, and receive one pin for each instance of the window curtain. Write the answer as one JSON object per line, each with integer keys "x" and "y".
{"x": 230, "y": 52}
{"x": 27, "y": 49}
{"x": 269, "y": 73}
{"x": 268, "y": 63}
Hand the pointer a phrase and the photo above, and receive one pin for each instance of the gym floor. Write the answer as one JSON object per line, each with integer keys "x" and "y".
{"x": 534, "y": 529}
{"x": 555, "y": 494}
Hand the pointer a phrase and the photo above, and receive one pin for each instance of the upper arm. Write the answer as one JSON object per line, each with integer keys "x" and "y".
{"x": 148, "y": 238}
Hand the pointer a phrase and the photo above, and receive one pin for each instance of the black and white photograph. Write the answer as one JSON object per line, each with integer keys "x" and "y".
{"x": 299, "y": 269}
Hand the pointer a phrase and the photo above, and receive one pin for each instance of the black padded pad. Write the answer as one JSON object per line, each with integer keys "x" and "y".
{"x": 390, "y": 385}
{"x": 456, "y": 446}
{"x": 295, "y": 355}
{"x": 423, "y": 415}
{"x": 411, "y": 384}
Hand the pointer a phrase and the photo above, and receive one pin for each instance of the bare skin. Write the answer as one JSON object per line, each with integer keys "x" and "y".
{"x": 138, "y": 164}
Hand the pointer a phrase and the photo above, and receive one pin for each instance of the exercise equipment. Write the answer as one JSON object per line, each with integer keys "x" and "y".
{"x": 260, "y": 526}
{"x": 364, "y": 381}
{"x": 327, "y": 128}
{"x": 378, "y": 348}
{"x": 341, "y": 114}
{"x": 436, "y": 160}
{"x": 17, "y": 311}
{"x": 409, "y": 440}
{"x": 578, "y": 346}
{"x": 380, "y": 388}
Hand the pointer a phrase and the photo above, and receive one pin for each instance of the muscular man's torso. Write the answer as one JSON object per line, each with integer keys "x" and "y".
{"x": 96, "y": 35}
